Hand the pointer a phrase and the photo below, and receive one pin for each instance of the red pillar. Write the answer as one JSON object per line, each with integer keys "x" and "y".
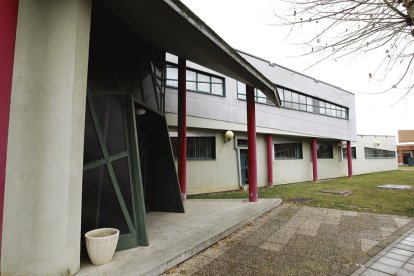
{"x": 349, "y": 155}
{"x": 182, "y": 124}
{"x": 269, "y": 145}
{"x": 8, "y": 24}
{"x": 251, "y": 133}
{"x": 314, "y": 159}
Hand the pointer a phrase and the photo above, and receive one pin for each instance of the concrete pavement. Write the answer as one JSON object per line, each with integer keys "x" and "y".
{"x": 396, "y": 259}
{"x": 176, "y": 237}
{"x": 299, "y": 240}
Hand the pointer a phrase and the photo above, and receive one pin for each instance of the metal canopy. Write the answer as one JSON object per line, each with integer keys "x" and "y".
{"x": 170, "y": 26}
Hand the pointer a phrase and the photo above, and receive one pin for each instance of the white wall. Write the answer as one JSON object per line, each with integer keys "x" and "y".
{"x": 362, "y": 165}
{"x": 231, "y": 109}
{"x": 42, "y": 211}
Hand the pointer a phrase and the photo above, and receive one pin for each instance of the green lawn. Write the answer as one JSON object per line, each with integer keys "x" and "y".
{"x": 365, "y": 196}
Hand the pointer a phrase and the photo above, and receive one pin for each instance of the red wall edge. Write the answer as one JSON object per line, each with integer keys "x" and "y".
{"x": 8, "y": 25}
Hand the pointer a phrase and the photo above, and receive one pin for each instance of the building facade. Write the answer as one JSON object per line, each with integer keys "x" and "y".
{"x": 405, "y": 147}
{"x": 310, "y": 109}
{"x": 84, "y": 141}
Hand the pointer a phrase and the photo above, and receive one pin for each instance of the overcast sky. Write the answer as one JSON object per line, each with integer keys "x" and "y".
{"x": 251, "y": 26}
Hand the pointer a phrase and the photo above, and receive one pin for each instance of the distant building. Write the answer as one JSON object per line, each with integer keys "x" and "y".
{"x": 405, "y": 147}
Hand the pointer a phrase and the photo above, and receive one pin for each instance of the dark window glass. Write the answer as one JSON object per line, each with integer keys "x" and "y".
{"x": 242, "y": 142}
{"x": 100, "y": 206}
{"x": 325, "y": 151}
{"x": 288, "y": 151}
{"x": 197, "y": 147}
{"x": 92, "y": 150}
{"x": 111, "y": 117}
{"x": 345, "y": 153}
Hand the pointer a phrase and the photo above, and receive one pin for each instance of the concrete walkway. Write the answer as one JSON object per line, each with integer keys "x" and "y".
{"x": 176, "y": 237}
{"x": 396, "y": 259}
{"x": 301, "y": 240}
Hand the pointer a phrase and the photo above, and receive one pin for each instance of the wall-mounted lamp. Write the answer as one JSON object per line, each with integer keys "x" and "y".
{"x": 140, "y": 111}
{"x": 228, "y": 136}
{"x": 377, "y": 143}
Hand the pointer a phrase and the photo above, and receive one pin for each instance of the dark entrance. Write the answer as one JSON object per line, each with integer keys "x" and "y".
{"x": 128, "y": 162}
{"x": 244, "y": 166}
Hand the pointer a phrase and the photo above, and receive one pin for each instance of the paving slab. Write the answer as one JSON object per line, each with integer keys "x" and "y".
{"x": 279, "y": 243}
{"x": 395, "y": 187}
{"x": 395, "y": 259}
{"x": 175, "y": 237}
{"x": 335, "y": 191}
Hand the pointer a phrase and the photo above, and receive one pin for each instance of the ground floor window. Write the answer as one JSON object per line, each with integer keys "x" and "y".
{"x": 325, "y": 151}
{"x": 345, "y": 153}
{"x": 288, "y": 151}
{"x": 371, "y": 153}
{"x": 198, "y": 148}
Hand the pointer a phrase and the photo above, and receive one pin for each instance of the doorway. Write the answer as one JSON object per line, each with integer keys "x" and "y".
{"x": 244, "y": 166}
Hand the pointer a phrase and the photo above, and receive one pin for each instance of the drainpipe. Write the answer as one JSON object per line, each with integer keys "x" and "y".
{"x": 8, "y": 25}
{"x": 269, "y": 144}
{"x": 182, "y": 124}
{"x": 251, "y": 133}
{"x": 314, "y": 160}
{"x": 349, "y": 155}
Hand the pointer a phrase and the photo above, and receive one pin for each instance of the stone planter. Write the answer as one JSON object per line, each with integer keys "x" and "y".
{"x": 101, "y": 244}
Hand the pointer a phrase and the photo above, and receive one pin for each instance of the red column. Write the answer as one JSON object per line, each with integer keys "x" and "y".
{"x": 269, "y": 145}
{"x": 8, "y": 24}
{"x": 182, "y": 124}
{"x": 251, "y": 133}
{"x": 349, "y": 155}
{"x": 314, "y": 159}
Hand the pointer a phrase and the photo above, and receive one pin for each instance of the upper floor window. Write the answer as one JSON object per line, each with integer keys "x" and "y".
{"x": 198, "y": 148}
{"x": 294, "y": 100}
{"x": 288, "y": 151}
{"x": 259, "y": 97}
{"x": 371, "y": 153}
{"x": 196, "y": 81}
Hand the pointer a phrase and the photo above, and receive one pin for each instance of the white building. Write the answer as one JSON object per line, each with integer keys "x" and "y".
{"x": 310, "y": 109}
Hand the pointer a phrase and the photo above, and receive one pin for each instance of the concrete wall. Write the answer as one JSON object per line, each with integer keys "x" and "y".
{"x": 231, "y": 109}
{"x": 42, "y": 213}
{"x": 223, "y": 173}
{"x": 363, "y": 165}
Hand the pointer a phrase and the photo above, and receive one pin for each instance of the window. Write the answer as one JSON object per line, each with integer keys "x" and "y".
{"x": 288, "y": 151}
{"x": 295, "y": 100}
{"x": 198, "y": 148}
{"x": 259, "y": 96}
{"x": 243, "y": 143}
{"x": 196, "y": 81}
{"x": 298, "y": 101}
{"x": 371, "y": 153}
{"x": 345, "y": 153}
{"x": 325, "y": 151}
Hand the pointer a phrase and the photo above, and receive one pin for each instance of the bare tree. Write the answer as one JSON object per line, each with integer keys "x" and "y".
{"x": 352, "y": 27}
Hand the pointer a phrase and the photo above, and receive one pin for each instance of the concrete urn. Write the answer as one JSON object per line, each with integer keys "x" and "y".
{"x": 101, "y": 244}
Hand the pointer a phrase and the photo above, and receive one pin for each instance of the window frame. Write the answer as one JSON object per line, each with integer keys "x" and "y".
{"x": 344, "y": 153}
{"x": 380, "y": 153}
{"x": 318, "y": 154}
{"x": 197, "y": 82}
{"x": 299, "y": 144}
{"x": 304, "y": 103}
{"x": 174, "y": 146}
